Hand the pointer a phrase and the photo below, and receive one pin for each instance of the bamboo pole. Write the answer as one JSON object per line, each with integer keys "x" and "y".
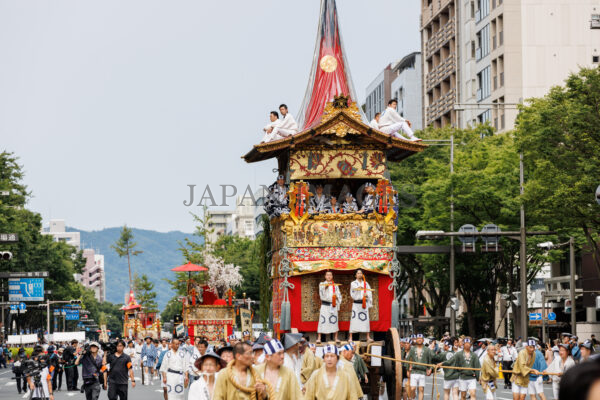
{"x": 443, "y": 366}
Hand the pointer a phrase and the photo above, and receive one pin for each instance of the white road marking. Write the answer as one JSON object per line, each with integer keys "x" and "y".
{"x": 10, "y": 383}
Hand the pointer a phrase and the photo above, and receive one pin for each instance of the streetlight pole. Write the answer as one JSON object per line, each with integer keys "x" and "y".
{"x": 452, "y": 277}
{"x": 522, "y": 257}
{"x": 572, "y": 285}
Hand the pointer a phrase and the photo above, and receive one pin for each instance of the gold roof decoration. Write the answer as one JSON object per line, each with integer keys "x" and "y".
{"x": 340, "y": 104}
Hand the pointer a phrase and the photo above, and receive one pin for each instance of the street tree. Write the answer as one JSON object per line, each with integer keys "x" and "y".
{"x": 145, "y": 293}
{"x": 559, "y": 137}
{"x": 126, "y": 247}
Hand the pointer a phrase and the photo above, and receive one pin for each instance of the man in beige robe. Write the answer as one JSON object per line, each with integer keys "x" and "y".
{"x": 276, "y": 381}
{"x": 330, "y": 381}
{"x": 489, "y": 374}
{"x": 237, "y": 381}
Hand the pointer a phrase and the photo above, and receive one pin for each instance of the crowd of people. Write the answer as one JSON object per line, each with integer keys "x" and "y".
{"x": 295, "y": 368}
{"x": 389, "y": 121}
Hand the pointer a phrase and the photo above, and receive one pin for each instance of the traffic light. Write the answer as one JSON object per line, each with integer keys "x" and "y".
{"x": 5, "y": 255}
{"x": 75, "y": 302}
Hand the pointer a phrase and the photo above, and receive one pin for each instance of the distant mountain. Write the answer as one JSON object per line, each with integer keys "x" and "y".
{"x": 160, "y": 254}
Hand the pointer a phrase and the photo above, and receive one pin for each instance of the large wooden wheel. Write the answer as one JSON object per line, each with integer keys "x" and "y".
{"x": 393, "y": 369}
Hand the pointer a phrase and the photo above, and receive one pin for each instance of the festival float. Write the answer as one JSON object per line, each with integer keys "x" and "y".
{"x": 204, "y": 314}
{"x": 138, "y": 324}
{"x": 337, "y": 149}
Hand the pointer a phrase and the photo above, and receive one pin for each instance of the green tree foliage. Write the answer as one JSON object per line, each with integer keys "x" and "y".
{"x": 559, "y": 135}
{"x": 485, "y": 186}
{"x": 145, "y": 293}
{"x": 37, "y": 252}
{"x": 125, "y": 247}
{"x": 34, "y": 251}
{"x": 243, "y": 253}
{"x": 173, "y": 307}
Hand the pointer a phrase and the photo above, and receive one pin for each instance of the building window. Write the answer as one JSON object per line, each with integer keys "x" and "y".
{"x": 595, "y": 21}
{"x": 484, "y": 84}
{"x": 483, "y": 10}
{"x": 483, "y": 42}
{"x": 595, "y": 59}
{"x": 484, "y": 117}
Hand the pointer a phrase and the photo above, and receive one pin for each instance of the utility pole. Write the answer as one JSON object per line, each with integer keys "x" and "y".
{"x": 452, "y": 277}
{"x": 572, "y": 285}
{"x": 523, "y": 257}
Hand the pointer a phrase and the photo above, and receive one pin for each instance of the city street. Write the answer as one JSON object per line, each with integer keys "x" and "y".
{"x": 8, "y": 390}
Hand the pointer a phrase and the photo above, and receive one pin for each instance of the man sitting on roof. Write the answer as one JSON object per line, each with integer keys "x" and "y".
{"x": 287, "y": 127}
{"x": 375, "y": 122}
{"x": 275, "y": 122}
{"x": 392, "y": 123}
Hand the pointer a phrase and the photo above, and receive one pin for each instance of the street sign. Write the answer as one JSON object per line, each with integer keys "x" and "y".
{"x": 26, "y": 289}
{"x": 535, "y": 316}
{"x": 22, "y": 306}
{"x": 14, "y": 308}
{"x": 71, "y": 315}
{"x": 180, "y": 330}
{"x": 9, "y": 238}
{"x": 31, "y": 274}
{"x": 551, "y": 316}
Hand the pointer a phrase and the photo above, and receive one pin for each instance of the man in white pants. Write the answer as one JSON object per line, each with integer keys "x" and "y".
{"x": 287, "y": 127}
{"x": 392, "y": 123}
{"x": 268, "y": 129}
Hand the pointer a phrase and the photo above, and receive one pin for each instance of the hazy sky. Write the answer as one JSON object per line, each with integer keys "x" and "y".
{"x": 114, "y": 107}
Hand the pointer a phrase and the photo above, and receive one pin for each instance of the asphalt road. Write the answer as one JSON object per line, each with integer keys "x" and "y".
{"x": 8, "y": 390}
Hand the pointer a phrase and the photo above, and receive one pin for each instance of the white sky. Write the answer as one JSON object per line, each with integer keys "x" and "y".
{"x": 114, "y": 107}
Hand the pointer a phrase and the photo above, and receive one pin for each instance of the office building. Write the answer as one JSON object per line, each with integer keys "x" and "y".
{"x": 57, "y": 229}
{"x": 219, "y": 220}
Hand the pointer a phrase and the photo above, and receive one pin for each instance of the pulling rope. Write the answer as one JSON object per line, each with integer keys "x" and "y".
{"x": 447, "y": 367}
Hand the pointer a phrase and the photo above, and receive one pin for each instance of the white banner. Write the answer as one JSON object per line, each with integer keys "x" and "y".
{"x": 66, "y": 336}
{"x": 22, "y": 339}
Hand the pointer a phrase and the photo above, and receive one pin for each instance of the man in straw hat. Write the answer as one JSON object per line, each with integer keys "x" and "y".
{"x": 207, "y": 366}
{"x": 291, "y": 358}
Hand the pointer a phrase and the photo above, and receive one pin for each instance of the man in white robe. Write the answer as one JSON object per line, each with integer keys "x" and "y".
{"x": 268, "y": 129}
{"x": 375, "y": 122}
{"x": 174, "y": 371}
{"x": 287, "y": 127}
{"x": 392, "y": 123}
{"x": 362, "y": 300}
{"x": 331, "y": 299}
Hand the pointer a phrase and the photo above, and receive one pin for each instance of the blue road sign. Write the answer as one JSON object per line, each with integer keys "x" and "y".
{"x": 551, "y": 316}
{"x": 26, "y": 289}
{"x": 22, "y": 306}
{"x": 535, "y": 316}
{"x": 14, "y": 307}
{"x": 71, "y": 315}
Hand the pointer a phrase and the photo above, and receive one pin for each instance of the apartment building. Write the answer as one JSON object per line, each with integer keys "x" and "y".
{"x": 481, "y": 58}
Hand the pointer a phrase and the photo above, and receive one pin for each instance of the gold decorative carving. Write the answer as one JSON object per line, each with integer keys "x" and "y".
{"x": 346, "y": 230}
{"x": 210, "y": 312}
{"x": 330, "y": 111}
{"x": 337, "y": 163}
